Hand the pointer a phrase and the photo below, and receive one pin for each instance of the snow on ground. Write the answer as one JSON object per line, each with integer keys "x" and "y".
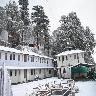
{"x": 27, "y": 88}
{"x": 86, "y": 88}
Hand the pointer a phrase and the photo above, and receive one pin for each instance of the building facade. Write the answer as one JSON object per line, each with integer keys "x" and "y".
{"x": 68, "y": 59}
{"x": 25, "y": 65}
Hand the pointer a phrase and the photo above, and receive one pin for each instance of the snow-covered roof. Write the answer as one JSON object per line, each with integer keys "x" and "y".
{"x": 25, "y": 51}
{"x": 70, "y": 52}
{"x": 9, "y": 49}
{"x": 17, "y": 67}
{"x": 45, "y": 56}
{"x": 34, "y": 54}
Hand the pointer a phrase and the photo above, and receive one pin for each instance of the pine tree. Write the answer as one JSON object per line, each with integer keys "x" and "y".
{"x": 25, "y": 18}
{"x": 89, "y": 44}
{"x": 72, "y": 34}
{"x": 24, "y": 11}
{"x": 41, "y": 22}
{"x": 13, "y": 23}
{"x": 3, "y": 19}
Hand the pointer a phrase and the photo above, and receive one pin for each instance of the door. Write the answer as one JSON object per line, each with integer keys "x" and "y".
{"x": 25, "y": 74}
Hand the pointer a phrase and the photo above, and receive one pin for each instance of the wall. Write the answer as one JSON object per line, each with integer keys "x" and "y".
{"x": 68, "y": 63}
{"x": 71, "y": 60}
{"x": 20, "y": 76}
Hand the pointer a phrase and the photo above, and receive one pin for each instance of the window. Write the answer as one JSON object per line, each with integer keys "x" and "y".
{"x": 64, "y": 70}
{"x": 39, "y": 71}
{"x": 62, "y": 58}
{"x": 25, "y": 58}
{"x": 32, "y": 59}
{"x": 10, "y": 72}
{"x": 40, "y": 60}
{"x": 44, "y": 60}
{"x": 18, "y": 57}
{"x": 78, "y": 60}
{"x": 13, "y": 56}
{"x": 31, "y": 71}
{"x": 25, "y": 73}
{"x": 15, "y": 72}
{"x": 66, "y": 58}
{"x": 10, "y": 56}
{"x": 77, "y": 56}
{"x": 28, "y": 58}
{"x": 5, "y": 56}
{"x": 47, "y": 61}
{"x": 59, "y": 58}
{"x": 0, "y": 55}
{"x": 34, "y": 71}
{"x": 49, "y": 71}
{"x": 36, "y": 59}
{"x": 74, "y": 56}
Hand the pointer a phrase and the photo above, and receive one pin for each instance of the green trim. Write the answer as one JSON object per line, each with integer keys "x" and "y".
{"x": 81, "y": 69}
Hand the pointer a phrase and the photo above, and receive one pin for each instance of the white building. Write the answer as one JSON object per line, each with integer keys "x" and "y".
{"x": 67, "y": 59}
{"x": 25, "y": 65}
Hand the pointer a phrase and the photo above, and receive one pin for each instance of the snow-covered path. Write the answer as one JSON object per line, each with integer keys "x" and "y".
{"x": 86, "y": 88}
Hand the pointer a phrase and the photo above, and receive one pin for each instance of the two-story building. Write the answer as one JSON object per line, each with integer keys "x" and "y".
{"x": 24, "y": 65}
{"x": 66, "y": 60}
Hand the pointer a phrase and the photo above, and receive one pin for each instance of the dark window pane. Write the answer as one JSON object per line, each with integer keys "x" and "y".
{"x": 15, "y": 72}
{"x": 10, "y": 72}
{"x": 18, "y": 57}
{"x": 31, "y": 71}
{"x": 0, "y": 55}
{"x": 5, "y": 56}
{"x": 10, "y": 56}
{"x": 25, "y": 58}
{"x": 13, "y": 56}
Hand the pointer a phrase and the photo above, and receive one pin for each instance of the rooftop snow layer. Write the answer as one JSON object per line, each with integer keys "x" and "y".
{"x": 9, "y": 49}
{"x": 70, "y": 52}
{"x": 25, "y": 51}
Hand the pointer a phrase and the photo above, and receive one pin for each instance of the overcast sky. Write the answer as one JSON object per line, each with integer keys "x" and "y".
{"x": 54, "y": 9}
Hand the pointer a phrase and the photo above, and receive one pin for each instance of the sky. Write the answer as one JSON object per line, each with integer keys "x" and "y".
{"x": 54, "y": 9}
